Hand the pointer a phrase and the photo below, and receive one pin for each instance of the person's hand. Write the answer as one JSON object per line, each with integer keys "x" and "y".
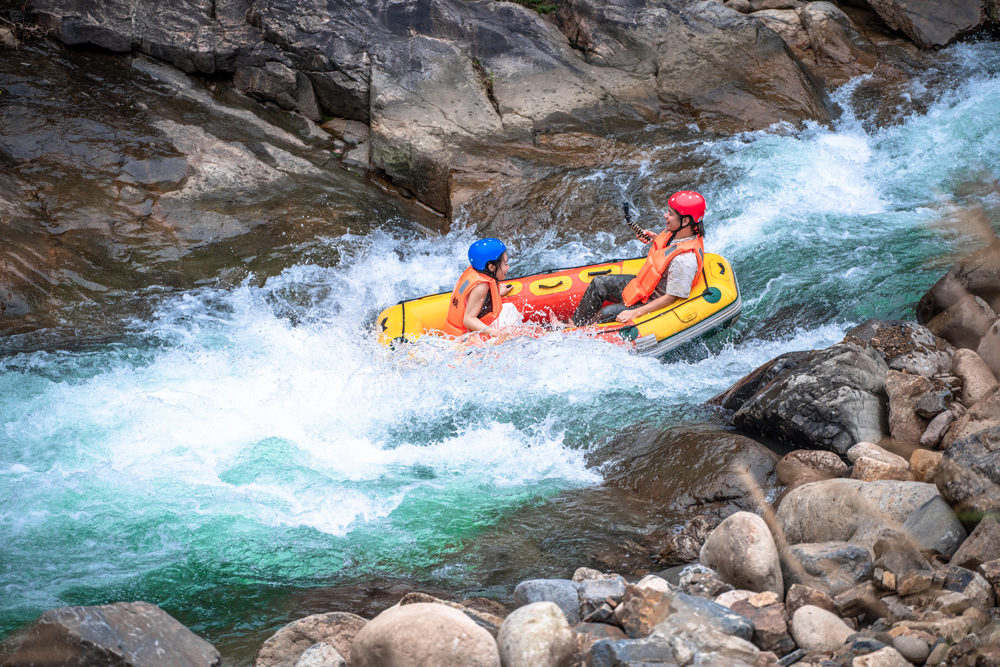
{"x": 506, "y": 289}
{"x": 646, "y": 236}
{"x": 627, "y": 316}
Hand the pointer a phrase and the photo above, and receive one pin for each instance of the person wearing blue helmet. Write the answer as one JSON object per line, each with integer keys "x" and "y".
{"x": 476, "y": 300}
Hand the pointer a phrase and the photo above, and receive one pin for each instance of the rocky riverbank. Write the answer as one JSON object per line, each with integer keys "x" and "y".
{"x": 882, "y": 547}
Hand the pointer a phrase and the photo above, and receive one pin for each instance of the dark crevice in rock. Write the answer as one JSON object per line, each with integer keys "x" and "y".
{"x": 487, "y": 80}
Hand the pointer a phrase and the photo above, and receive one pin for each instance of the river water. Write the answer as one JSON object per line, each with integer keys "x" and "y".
{"x": 229, "y": 448}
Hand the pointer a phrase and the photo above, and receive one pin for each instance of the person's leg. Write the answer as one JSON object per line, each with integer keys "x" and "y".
{"x": 609, "y": 313}
{"x": 601, "y": 289}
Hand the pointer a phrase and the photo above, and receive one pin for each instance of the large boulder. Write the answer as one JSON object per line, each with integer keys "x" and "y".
{"x": 969, "y": 474}
{"x": 930, "y": 23}
{"x": 989, "y": 348}
{"x": 839, "y": 48}
{"x": 977, "y": 379}
{"x": 983, "y": 415}
{"x": 129, "y": 634}
{"x": 848, "y": 510}
{"x": 536, "y": 635}
{"x": 825, "y": 465}
{"x": 816, "y": 629}
{"x": 964, "y": 323}
{"x": 741, "y": 392}
{"x": 905, "y": 346}
{"x": 983, "y": 545}
{"x": 423, "y": 635}
{"x": 831, "y": 400}
{"x": 562, "y": 592}
{"x": 977, "y": 274}
{"x": 693, "y": 471}
{"x": 830, "y": 567}
{"x": 286, "y": 646}
{"x": 904, "y": 392}
{"x": 743, "y": 552}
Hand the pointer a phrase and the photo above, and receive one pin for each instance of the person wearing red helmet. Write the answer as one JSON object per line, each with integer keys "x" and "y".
{"x": 671, "y": 268}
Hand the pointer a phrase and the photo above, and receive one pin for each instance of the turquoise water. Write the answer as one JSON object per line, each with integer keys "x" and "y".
{"x": 238, "y": 443}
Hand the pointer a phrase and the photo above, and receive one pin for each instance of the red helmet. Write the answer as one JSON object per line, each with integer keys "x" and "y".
{"x": 687, "y": 202}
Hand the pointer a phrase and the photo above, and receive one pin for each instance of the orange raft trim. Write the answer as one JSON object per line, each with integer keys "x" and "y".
{"x": 714, "y": 302}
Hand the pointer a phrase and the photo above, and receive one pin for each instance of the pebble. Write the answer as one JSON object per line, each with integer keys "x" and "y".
{"x": 912, "y": 648}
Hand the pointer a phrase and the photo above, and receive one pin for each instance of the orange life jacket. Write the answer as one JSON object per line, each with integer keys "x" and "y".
{"x": 455, "y": 323}
{"x": 653, "y": 269}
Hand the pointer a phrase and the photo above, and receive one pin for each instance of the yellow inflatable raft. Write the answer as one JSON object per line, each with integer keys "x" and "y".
{"x": 714, "y": 302}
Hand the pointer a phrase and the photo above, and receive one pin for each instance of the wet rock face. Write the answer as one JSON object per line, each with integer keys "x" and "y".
{"x": 437, "y": 77}
{"x": 831, "y": 400}
{"x": 930, "y": 23}
{"x": 132, "y": 634}
{"x": 123, "y": 173}
{"x": 689, "y": 470}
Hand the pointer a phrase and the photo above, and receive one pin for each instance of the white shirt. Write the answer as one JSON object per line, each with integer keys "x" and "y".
{"x": 680, "y": 275}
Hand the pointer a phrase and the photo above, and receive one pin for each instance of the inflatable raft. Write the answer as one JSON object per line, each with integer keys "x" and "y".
{"x": 714, "y": 303}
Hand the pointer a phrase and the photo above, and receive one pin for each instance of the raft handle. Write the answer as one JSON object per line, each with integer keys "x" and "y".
{"x": 599, "y": 273}
{"x": 722, "y": 268}
{"x": 551, "y": 286}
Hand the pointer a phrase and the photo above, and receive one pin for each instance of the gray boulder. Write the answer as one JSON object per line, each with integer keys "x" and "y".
{"x": 964, "y": 323}
{"x": 983, "y": 415}
{"x": 905, "y": 391}
{"x": 593, "y": 593}
{"x": 743, "y": 552}
{"x": 627, "y": 652}
{"x": 969, "y": 474}
{"x": 563, "y": 592}
{"x": 423, "y": 635}
{"x": 698, "y": 470}
{"x": 831, "y": 400}
{"x": 978, "y": 380}
{"x": 285, "y": 647}
{"x": 971, "y": 584}
{"x": 935, "y": 527}
{"x": 717, "y": 616}
{"x": 982, "y": 546}
{"x": 905, "y": 346}
{"x": 744, "y": 389}
{"x": 830, "y": 567}
{"x": 930, "y": 23}
{"x": 130, "y": 634}
{"x": 977, "y": 274}
{"x": 848, "y": 510}
{"x": 816, "y": 629}
{"x": 321, "y": 655}
{"x": 827, "y": 465}
{"x": 536, "y": 635}
{"x": 989, "y": 348}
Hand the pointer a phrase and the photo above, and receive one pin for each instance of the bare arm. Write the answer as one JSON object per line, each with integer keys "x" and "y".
{"x": 646, "y": 308}
{"x": 477, "y": 296}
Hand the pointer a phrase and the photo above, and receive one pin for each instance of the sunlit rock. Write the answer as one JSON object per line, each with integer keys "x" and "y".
{"x": 977, "y": 274}
{"x": 743, "y": 552}
{"x": 817, "y": 629}
{"x": 285, "y": 647}
{"x": 964, "y": 323}
{"x": 830, "y": 567}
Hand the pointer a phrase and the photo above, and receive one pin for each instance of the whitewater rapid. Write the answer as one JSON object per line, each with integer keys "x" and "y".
{"x": 257, "y": 436}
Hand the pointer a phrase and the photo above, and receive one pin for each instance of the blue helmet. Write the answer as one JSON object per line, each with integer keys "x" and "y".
{"x": 485, "y": 250}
